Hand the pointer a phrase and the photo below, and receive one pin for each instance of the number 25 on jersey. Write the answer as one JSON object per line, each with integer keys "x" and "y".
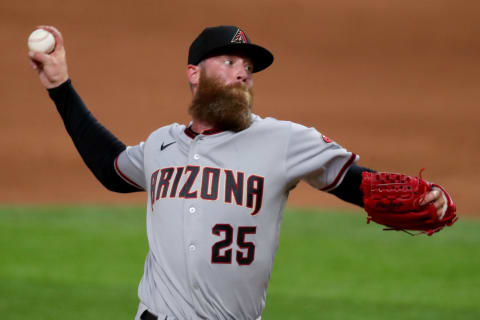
{"x": 222, "y": 251}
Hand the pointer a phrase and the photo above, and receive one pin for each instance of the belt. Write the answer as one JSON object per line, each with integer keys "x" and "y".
{"x": 146, "y": 315}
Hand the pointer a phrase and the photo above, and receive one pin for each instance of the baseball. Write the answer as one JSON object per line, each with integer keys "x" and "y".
{"x": 41, "y": 40}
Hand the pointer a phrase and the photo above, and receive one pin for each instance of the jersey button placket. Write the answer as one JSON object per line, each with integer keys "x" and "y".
{"x": 193, "y": 210}
{"x": 196, "y": 156}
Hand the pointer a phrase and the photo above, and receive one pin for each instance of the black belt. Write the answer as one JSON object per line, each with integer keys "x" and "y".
{"x": 146, "y": 315}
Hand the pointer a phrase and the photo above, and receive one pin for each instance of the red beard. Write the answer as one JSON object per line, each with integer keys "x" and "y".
{"x": 222, "y": 107}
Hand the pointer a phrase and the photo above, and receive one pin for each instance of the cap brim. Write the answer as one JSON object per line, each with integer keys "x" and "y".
{"x": 261, "y": 57}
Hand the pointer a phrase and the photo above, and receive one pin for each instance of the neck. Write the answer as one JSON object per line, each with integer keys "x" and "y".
{"x": 200, "y": 126}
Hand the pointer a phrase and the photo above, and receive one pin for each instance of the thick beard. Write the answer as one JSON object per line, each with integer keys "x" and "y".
{"x": 222, "y": 107}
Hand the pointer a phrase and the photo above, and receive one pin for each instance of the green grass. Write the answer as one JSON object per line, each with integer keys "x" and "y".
{"x": 70, "y": 263}
{"x": 334, "y": 266}
{"x": 86, "y": 262}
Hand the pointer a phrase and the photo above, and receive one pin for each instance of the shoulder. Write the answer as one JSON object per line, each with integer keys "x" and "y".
{"x": 288, "y": 127}
{"x": 165, "y": 132}
{"x": 270, "y": 124}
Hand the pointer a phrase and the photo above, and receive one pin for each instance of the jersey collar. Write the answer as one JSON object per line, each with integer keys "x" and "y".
{"x": 192, "y": 134}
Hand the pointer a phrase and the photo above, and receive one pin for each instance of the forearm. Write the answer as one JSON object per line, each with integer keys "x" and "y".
{"x": 349, "y": 190}
{"x": 97, "y": 146}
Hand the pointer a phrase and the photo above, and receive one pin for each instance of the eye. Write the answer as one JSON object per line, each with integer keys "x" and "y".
{"x": 228, "y": 62}
{"x": 249, "y": 68}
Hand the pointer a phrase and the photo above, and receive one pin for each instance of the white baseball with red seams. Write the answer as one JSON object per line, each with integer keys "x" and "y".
{"x": 215, "y": 203}
{"x": 41, "y": 40}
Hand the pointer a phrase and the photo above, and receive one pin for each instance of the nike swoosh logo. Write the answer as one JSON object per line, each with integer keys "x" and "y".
{"x": 164, "y": 146}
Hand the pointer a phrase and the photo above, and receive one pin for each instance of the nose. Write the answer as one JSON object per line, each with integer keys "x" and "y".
{"x": 242, "y": 75}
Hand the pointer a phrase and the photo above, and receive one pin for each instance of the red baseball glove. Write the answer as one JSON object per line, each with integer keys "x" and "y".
{"x": 393, "y": 199}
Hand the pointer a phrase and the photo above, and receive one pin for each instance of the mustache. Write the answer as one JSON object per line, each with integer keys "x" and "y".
{"x": 209, "y": 88}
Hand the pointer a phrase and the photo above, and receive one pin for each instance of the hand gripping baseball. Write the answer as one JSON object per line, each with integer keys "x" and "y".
{"x": 51, "y": 68}
{"x": 397, "y": 202}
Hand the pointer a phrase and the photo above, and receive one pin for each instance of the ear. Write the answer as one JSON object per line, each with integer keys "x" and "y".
{"x": 193, "y": 74}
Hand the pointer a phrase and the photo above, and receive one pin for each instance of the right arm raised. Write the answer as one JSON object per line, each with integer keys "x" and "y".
{"x": 97, "y": 146}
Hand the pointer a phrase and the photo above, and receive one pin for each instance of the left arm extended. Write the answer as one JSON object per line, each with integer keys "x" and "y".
{"x": 349, "y": 190}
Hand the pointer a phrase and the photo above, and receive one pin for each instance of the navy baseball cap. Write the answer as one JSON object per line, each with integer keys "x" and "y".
{"x": 224, "y": 40}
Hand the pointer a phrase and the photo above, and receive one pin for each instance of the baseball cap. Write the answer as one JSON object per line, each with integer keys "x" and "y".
{"x": 228, "y": 39}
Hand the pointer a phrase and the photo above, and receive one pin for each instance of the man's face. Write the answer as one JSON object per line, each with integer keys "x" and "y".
{"x": 223, "y": 96}
{"x": 229, "y": 69}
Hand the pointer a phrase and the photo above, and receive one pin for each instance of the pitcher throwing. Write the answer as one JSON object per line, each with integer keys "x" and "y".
{"x": 216, "y": 187}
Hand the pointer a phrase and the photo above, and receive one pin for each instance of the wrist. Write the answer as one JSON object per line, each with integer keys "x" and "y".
{"x": 57, "y": 83}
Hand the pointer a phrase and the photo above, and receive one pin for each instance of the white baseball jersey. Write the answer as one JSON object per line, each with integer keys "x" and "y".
{"x": 214, "y": 210}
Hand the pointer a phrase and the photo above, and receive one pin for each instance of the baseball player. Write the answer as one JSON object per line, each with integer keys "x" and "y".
{"x": 216, "y": 187}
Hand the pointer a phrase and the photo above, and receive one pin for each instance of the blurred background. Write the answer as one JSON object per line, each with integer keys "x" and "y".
{"x": 393, "y": 81}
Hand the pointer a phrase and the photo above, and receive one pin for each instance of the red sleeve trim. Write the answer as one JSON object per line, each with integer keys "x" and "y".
{"x": 124, "y": 177}
{"x": 341, "y": 173}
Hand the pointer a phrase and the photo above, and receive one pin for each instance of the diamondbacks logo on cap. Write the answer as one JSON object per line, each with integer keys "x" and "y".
{"x": 239, "y": 37}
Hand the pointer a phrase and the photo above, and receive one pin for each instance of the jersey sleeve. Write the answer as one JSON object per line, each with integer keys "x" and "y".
{"x": 130, "y": 166}
{"x": 97, "y": 146}
{"x": 316, "y": 159}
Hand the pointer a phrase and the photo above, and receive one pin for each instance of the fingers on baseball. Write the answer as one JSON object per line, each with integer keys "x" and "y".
{"x": 38, "y": 58}
{"x": 56, "y": 34}
{"x": 33, "y": 64}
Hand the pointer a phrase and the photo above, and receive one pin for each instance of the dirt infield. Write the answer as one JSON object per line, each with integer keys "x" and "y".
{"x": 394, "y": 81}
